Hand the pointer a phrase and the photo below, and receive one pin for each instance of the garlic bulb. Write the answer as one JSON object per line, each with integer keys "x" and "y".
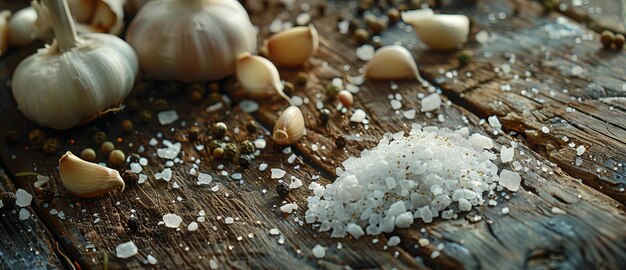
{"x": 438, "y": 31}
{"x": 4, "y": 31}
{"x": 258, "y": 77}
{"x": 292, "y": 47}
{"x": 85, "y": 179}
{"x": 289, "y": 127}
{"x": 76, "y": 78}
{"x": 392, "y": 62}
{"x": 191, "y": 40}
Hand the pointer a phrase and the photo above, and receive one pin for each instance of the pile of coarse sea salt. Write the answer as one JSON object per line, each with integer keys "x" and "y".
{"x": 430, "y": 173}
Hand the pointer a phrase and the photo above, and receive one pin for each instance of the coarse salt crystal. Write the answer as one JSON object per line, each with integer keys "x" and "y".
{"x": 557, "y": 211}
{"x": 24, "y": 214}
{"x": 409, "y": 114}
{"x": 355, "y": 230}
{"x": 358, "y": 116}
{"x": 274, "y": 231}
{"x": 126, "y": 250}
{"x": 229, "y": 220}
{"x": 393, "y": 241}
{"x": 580, "y": 150}
{"x": 263, "y": 167}
{"x": 319, "y": 251}
{"x": 506, "y": 154}
{"x": 395, "y": 104}
{"x": 152, "y": 260}
{"x": 494, "y": 122}
{"x": 510, "y": 180}
{"x": 431, "y": 103}
{"x": 192, "y": 226}
{"x": 204, "y": 179}
{"x": 481, "y": 141}
{"x": 172, "y": 220}
{"x": 277, "y": 173}
{"x": 545, "y": 130}
{"x": 288, "y": 208}
{"x": 260, "y": 143}
{"x": 167, "y": 117}
{"x": 23, "y": 198}
{"x": 249, "y": 106}
{"x": 365, "y": 52}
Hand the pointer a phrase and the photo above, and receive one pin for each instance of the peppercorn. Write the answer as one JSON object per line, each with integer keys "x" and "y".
{"x": 99, "y": 137}
{"x": 618, "y": 41}
{"x": 340, "y": 142}
{"x": 369, "y": 20}
{"x": 393, "y": 15}
{"x": 353, "y": 25}
{"x": 378, "y": 43}
{"x": 145, "y": 116}
{"x": 133, "y": 224}
{"x": 215, "y": 144}
{"x": 251, "y": 127}
{"x": 244, "y": 161}
{"x": 46, "y": 195}
{"x": 363, "y": 6}
{"x": 8, "y": 200}
{"x": 464, "y": 58}
{"x": 116, "y": 157}
{"x": 51, "y": 146}
{"x": 247, "y": 147}
{"x": 230, "y": 151}
{"x": 88, "y": 154}
{"x": 134, "y": 157}
{"x": 361, "y": 35}
{"x": 160, "y": 105}
{"x": 302, "y": 78}
{"x": 12, "y": 136}
{"x": 215, "y": 97}
{"x": 288, "y": 88}
{"x": 127, "y": 125}
{"x": 130, "y": 178}
{"x": 195, "y": 97}
{"x": 321, "y": 8}
{"x": 107, "y": 147}
{"x": 193, "y": 133}
{"x": 377, "y": 27}
{"x": 214, "y": 87}
{"x": 219, "y": 130}
{"x": 282, "y": 189}
{"x": 607, "y": 39}
{"x": 324, "y": 116}
{"x": 36, "y": 138}
{"x": 548, "y": 5}
{"x": 132, "y": 104}
{"x": 218, "y": 153}
{"x": 332, "y": 90}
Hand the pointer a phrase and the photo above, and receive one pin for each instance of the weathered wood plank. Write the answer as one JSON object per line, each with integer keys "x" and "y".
{"x": 596, "y": 15}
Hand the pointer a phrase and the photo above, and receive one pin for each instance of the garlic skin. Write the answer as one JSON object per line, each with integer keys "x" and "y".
{"x": 292, "y": 47}
{"x": 392, "y": 62}
{"x": 4, "y": 31}
{"x": 191, "y": 40}
{"x": 289, "y": 127}
{"x": 258, "y": 77}
{"x": 440, "y": 32}
{"x": 76, "y": 78}
{"x": 85, "y": 179}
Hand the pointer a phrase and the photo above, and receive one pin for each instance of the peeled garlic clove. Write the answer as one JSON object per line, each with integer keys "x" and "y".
{"x": 290, "y": 126}
{"x": 258, "y": 76}
{"x": 414, "y": 16}
{"x": 441, "y": 31}
{"x": 345, "y": 98}
{"x": 85, "y": 179}
{"x": 293, "y": 47}
{"x": 4, "y": 31}
{"x": 392, "y": 62}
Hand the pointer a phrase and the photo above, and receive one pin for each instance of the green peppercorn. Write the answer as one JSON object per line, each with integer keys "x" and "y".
{"x": 193, "y": 133}
{"x": 127, "y": 125}
{"x": 247, "y": 147}
{"x": 607, "y": 39}
{"x": 12, "y": 136}
{"x": 117, "y": 157}
{"x": 8, "y": 200}
{"x": 51, "y": 146}
{"x": 132, "y": 104}
{"x": 160, "y": 105}
{"x": 230, "y": 151}
{"x": 130, "y": 178}
{"x": 288, "y": 88}
{"x": 361, "y": 35}
{"x": 99, "y": 137}
{"x": 244, "y": 161}
{"x": 393, "y": 15}
{"x": 282, "y": 189}
{"x": 618, "y": 41}
{"x": 340, "y": 142}
{"x": 107, "y": 147}
{"x": 324, "y": 116}
{"x": 133, "y": 224}
{"x": 88, "y": 154}
{"x": 251, "y": 127}
{"x": 302, "y": 78}
{"x": 218, "y": 153}
{"x": 215, "y": 144}
{"x": 36, "y": 138}
{"x": 145, "y": 116}
{"x": 464, "y": 58}
{"x": 46, "y": 195}
{"x": 332, "y": 90}
{"x": 369, "y": 20}
{"x": 219, "y": 130}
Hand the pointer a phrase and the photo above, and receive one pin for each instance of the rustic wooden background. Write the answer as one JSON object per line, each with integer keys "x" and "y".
{"x": 592, "y": 112}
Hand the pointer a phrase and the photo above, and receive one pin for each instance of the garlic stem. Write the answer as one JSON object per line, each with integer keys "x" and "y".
{"x": 62, "y": 24}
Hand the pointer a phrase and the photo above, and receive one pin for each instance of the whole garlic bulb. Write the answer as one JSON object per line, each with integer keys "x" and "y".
{"x": 191, "y": 40}
{"x": 76, "y": 78}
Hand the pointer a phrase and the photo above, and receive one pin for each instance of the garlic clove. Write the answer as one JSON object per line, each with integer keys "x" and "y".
{"x": 415, "y": 16}
{"x": 22, "y": 27}
{"x": 108, "y": 17}
{"x": 392, "y": 62}
{"x": 439, "y": 32}
{"x": 258, "y": 76}
{"x": 85, "y": 179}
{"x": 4, "y": 31}
{"x": 292, "y": 47}
{"x": 81, "y": 10}
{"x": 289, "y": 127}
{"x": 345, "y": 98}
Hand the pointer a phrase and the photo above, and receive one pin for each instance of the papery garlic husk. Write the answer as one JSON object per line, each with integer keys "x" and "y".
{"x": 85, "y": 179}
{"x": 191, "y": 40}
{"x": 289, "y": 127}
{"x": 392, "y": 62}
{"x": 292, "y": 47}
{"x": 76, "y": 78}
{"x": 4, "y": 31}
{"x": 258, "y": 77}
{"x": 439, "y": 31}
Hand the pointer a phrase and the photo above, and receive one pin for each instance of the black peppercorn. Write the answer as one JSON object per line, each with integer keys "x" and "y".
{"x": 302, "y": 78}
{"x": 51, "y": 146}
{"x": 324, "y": 116}
{"x": 46, "y": 195}
{"x": 127, "y": 125}
{"x": 193, "y": 133}
{"x": 8, "y": 200}
{"x": 36, "y": 138}
{"x": 219, "y": 130}
{"x": 340, "y": 142}
{"x": 133, "y": 224}
{"x": 464, "y": 58}
{"x": 230, "y": 151}
{"x": 251, "y": 127}
{"x": 160, "y": 105}
{"x": 393, "y": 15}
{"x": 130, "y": 178}
{"x": 244, "y": 161}
{"x": 215, "y": 97}
{"x": 145, "y": 116}
{"x": 99, "y": 137}
{"x": 282, "y": 189}
{"x": 247, "y": 147}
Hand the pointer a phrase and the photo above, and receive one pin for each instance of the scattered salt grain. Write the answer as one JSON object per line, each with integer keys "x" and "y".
{"x": 545, "y": 130}
{"x": 580, "y": 150}
{"x": 135, "y": 167}
{"x": 393, "y": 241}
{"x": 260, "y": 143}
{"x": 288, "y": 208}
{"x": 192, "y": 226}
{"x": 152, "y": 260}
{"x": 557, "y": 211}
{"x": 167, "y": 117}
{"x": 395, "y": 104}
{"x": 142, "y": 178}
{"x": 423, "y": 242}
{"x": 274, "y": 231}
{"x": 506, "y": 154}
{"x": 410, "y": 114}
{"x": 358, "y": 116}
{"x": 505, "y": 211}
{"x": 126, "y": 250}
{"x": 481, "y": 141}
{"x": 510, "y": 180}
{"x": 213, "y": 264}
{"x": 23, "y": 198}
{"x": 277, "y": 173}
{"x": 431, "y": 103}
{"x": 263, "y": 167}
{"x": 41, "y": 180}
{"x": 355, "y": 230}
{"x": 295, "y": 183}
{"x": 494, "y": 122}
{"x": 229, "y": 220}
{"x": 365, "y": 52}
{"x": 172, "y": 220}
{"x": 204, "y": 179}
{"x": 319, "y": 251}
{"x": 482, "y": 37}
{"x": 249, "y": 106}
{"x": 24, "y": 214}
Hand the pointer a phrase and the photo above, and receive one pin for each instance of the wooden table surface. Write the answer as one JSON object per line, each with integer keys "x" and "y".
{"x": 531, "y": 51}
